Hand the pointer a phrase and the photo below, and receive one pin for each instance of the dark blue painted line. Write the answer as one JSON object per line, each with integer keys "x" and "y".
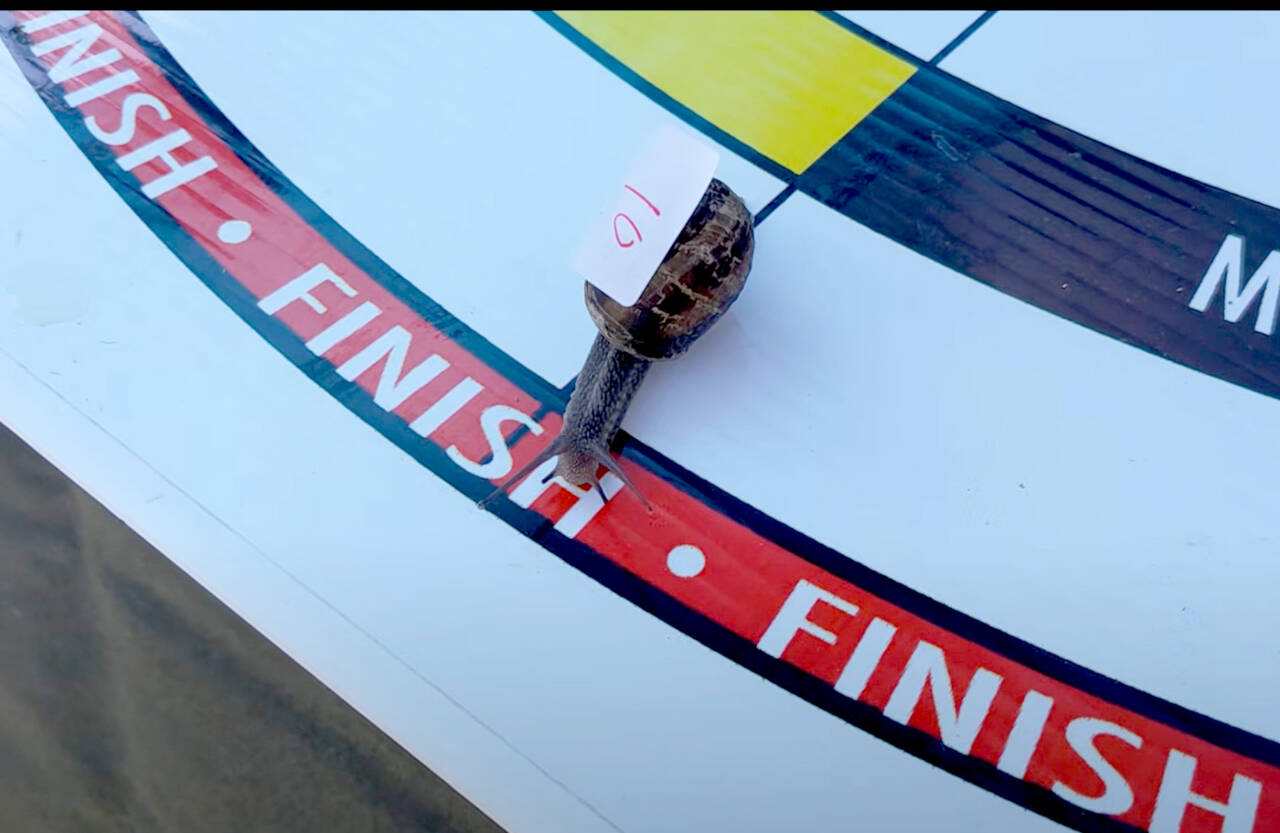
{"x": 961, "y": 38}
{"x": 774, "y": 203}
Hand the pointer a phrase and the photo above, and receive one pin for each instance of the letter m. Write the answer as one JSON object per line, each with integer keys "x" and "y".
{"x": 1228, "y": 263}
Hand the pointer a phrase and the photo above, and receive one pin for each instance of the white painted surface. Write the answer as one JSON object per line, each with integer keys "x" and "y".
{"x": 922, "y": 33}
{"x": 1187, "y": 90}
{"x": 686, "y": 561}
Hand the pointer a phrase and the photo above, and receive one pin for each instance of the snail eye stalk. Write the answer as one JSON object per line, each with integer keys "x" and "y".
{"x": 612, "y": 465}
{"x": 557, "y": 446}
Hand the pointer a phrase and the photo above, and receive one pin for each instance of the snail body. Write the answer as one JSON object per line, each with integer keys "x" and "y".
{"x": 700, "y": 277}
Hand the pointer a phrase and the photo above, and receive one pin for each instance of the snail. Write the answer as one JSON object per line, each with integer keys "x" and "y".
{"x": 701, "y": 275}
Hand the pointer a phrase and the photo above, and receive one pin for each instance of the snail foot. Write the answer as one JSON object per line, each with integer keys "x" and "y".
{"x": 575, "y": 465}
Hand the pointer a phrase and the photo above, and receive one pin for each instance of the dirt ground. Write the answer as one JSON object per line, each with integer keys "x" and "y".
{"x": 133, "y": 700}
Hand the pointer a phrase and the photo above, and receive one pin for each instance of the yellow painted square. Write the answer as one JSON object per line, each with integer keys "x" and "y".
{"x": 788, "y": 84}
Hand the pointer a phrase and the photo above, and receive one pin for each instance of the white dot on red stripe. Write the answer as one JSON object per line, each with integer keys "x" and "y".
{"x": 234, "y": 231}
{"x": 686, "y": 561}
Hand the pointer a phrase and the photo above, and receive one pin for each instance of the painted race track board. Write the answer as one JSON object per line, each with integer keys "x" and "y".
{"x": 962, "y": 518}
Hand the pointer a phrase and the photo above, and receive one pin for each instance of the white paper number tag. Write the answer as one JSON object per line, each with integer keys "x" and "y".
{"x": 625, "y": 246}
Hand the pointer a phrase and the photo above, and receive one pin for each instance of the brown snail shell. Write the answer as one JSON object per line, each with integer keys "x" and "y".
{"x": 701, "y": 275}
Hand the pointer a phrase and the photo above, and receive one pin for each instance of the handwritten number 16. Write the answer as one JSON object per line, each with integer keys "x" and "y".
{"x": 634, "y": 228}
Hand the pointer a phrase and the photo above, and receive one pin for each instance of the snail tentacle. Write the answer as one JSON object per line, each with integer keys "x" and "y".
{"x": 557, "y": 445}
{"x": 608, "y": 381}
{"x": 612, "y": 465}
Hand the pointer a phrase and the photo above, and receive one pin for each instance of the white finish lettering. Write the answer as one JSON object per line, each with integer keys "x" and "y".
{"x": 1238, "y": 813}
{"x": 393, "y": 345}
{"x": 1025, "y": 734}
{"x": 446, "y": 406}
{"x": 123, "y": 134}
{"x": 299, "y": 289}
{"x": 179, "y": 174}
{"x": 44, "y": 21}
{"x": 75, "y": 62}
{"x": 1117, "y": 795}
{"x": 792, "y": 618}
{"x": 586, "y": 506}
{"x": 871, "y": 647}
{"x": 491, "y": 420}
{"x": 958, "y": 728}
{"x": 340, "y": 330}
{"x": 98, "y": 89}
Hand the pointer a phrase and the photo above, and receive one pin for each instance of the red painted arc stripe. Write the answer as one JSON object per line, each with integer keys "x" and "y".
{"x": 996, "y": 710}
